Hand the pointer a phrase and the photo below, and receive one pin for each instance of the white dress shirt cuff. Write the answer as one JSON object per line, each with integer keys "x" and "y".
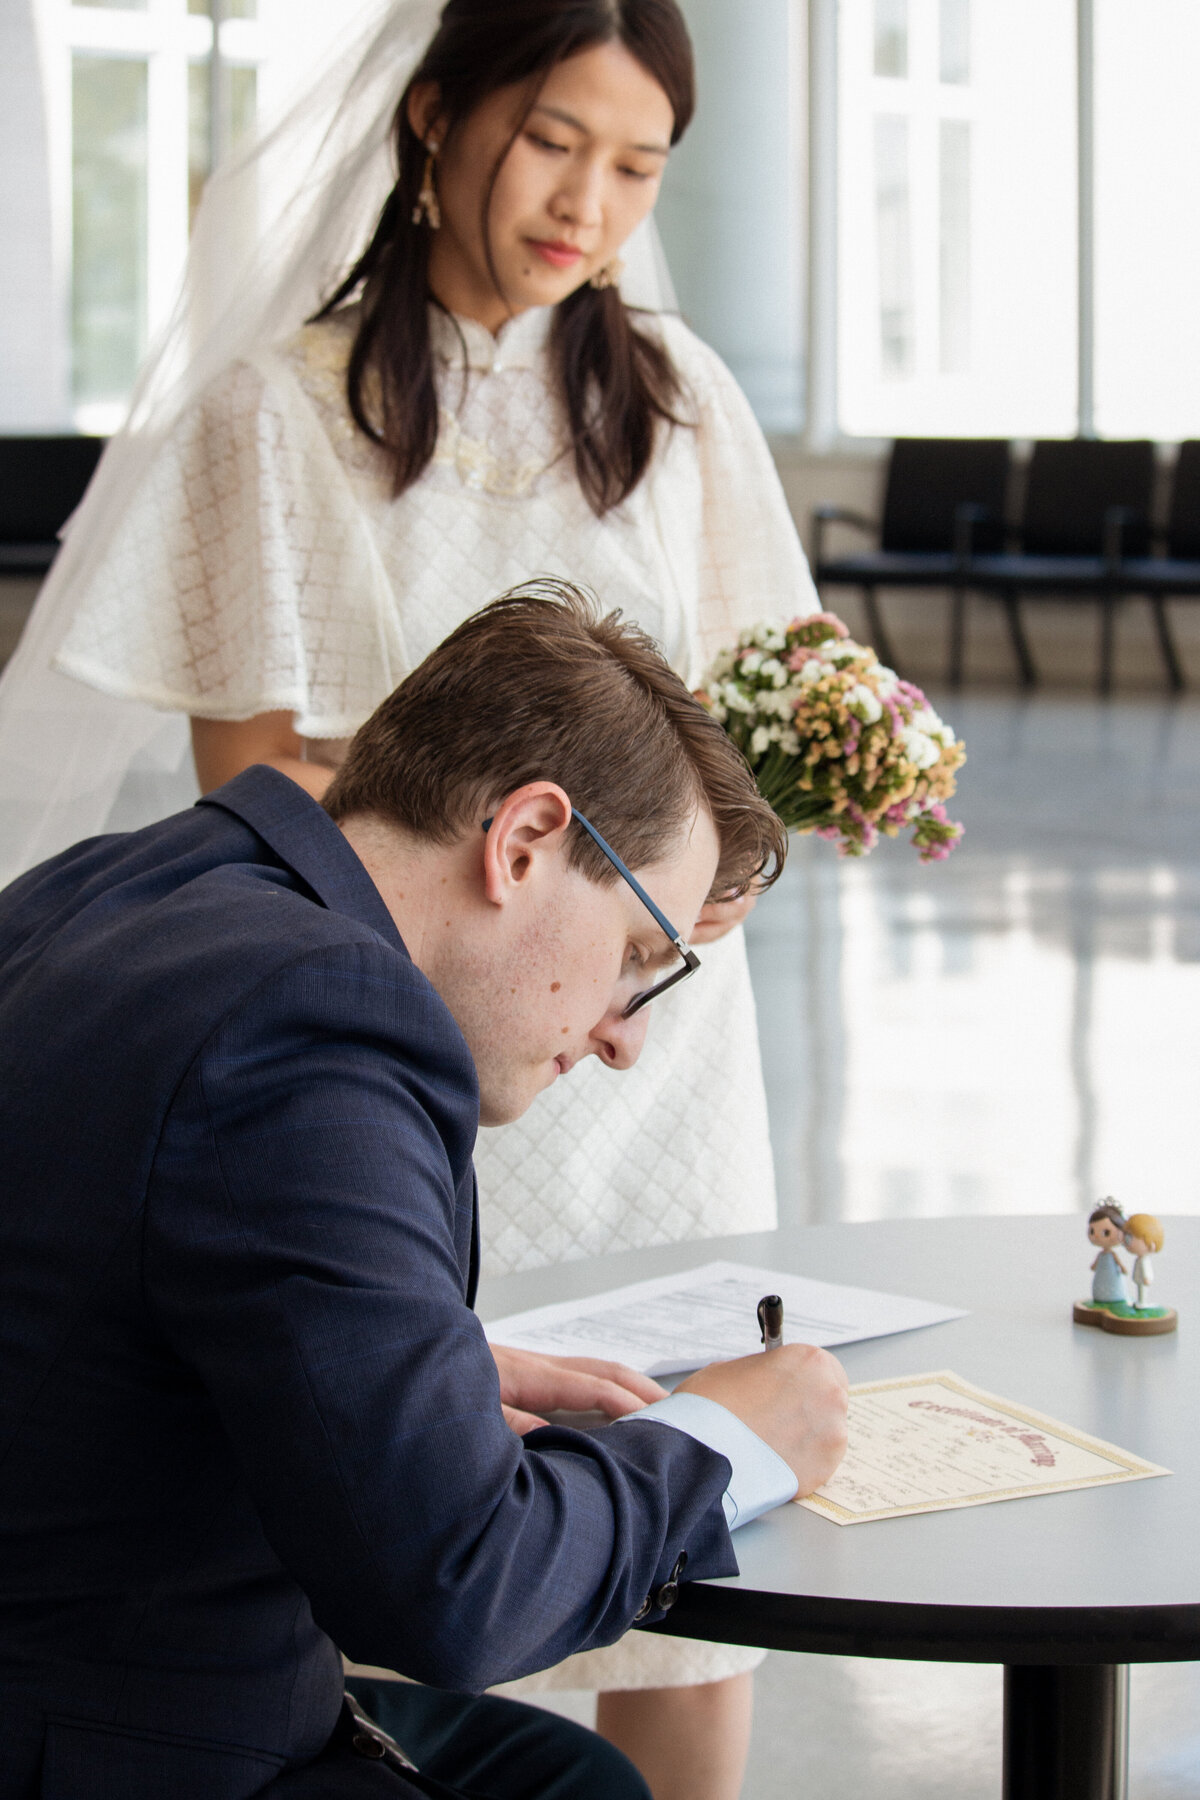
{"x": 759, "y": 1479}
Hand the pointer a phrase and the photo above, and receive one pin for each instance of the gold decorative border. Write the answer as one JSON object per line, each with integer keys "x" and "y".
{"x": 1129, "y": 1467}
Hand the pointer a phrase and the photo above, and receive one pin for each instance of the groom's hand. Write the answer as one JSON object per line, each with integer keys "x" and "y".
{"x": 531, "y": 1385}
{"x": 795, "y": 1399}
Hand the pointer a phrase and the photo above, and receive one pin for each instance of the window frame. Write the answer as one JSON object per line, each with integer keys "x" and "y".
{"x": 822, "y": 433}
{"x": 170, "y": 40}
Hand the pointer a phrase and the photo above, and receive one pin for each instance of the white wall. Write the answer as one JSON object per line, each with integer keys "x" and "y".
{"x": 33, "y": 375}
{"x": 731, "y": 213}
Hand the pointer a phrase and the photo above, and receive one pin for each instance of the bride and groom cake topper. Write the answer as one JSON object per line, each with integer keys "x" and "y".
{"x": 1110, "y": 1306}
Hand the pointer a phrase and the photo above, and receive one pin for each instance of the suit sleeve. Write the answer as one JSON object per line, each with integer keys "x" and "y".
{"x": 301, "y": 1257}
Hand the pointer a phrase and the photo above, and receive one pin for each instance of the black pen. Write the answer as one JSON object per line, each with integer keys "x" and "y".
{"x": 770, "y": 1321}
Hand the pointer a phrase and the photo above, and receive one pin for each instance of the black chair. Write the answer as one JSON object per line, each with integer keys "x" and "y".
{"x": 1177, "y": 573}
{"x": 944, "y": 503}
{"x": 1087, "y": 510}
{"x": 42, "y": 480}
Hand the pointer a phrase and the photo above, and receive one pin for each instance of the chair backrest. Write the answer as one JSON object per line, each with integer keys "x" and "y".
{"x": 929, "y": 478}
{"x": 1072, "y": 484}
{"x": 42, "y": 480}
{"x": 1183, "y": 525}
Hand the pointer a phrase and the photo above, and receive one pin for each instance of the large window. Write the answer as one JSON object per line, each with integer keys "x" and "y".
{"x": 996, "y": 231}
{"x": 158, "y": 91}
{"x": 956, "y": 230}
{"x": 891, "y": 216}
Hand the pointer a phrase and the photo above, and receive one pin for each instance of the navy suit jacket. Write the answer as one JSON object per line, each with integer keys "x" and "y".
{"x": 246, "y": 1411}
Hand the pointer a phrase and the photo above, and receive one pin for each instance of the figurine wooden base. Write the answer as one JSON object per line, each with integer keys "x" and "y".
{"x": 1153, "y": 1321}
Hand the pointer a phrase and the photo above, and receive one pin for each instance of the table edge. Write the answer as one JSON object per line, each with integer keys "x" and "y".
{"x": 931, "y": 1633}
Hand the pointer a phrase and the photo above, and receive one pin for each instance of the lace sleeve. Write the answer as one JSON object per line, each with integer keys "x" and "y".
{"x": 242, "y": 580}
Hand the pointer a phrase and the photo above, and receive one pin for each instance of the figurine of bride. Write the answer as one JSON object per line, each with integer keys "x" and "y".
{"x": 425, "y": 350}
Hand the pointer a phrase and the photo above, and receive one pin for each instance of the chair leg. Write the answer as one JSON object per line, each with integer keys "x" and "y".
{"x": 1016, "y": 632}
{"x": 1166, "y": 642}
{"x": 1108, "y": 609}
{"x": 958, "y": 634}
{"x": 880, "y": 641}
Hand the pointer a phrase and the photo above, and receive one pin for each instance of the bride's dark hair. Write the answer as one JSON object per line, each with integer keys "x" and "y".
{"x": 616, "y": 384}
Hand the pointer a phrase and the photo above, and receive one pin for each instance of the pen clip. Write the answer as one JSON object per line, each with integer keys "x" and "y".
{"x": 770, "y": 1320}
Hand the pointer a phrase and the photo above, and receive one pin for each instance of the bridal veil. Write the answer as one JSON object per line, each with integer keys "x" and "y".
{"x": 279, "y": 225}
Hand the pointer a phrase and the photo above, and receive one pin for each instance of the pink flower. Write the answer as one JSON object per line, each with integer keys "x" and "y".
{"x": 831, "y": 625}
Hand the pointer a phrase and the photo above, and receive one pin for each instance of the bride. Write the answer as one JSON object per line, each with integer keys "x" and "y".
{"x": 299, "y": 511}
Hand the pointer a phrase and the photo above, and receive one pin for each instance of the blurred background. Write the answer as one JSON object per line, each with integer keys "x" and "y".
{"x": 895, "y": 219}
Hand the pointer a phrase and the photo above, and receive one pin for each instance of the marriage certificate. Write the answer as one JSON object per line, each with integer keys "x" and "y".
{"x": 926, "y": 1443}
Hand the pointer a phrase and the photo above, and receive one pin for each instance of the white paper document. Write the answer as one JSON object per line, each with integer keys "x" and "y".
{"x": 926, "y": 1443}
{"x": 709, "y": 1315}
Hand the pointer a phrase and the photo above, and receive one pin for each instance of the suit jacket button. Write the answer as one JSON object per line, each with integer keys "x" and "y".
{"x": 364, "y": 1745}
{"x": 643, "y": 1611}
{"x": 667, "y": 1595}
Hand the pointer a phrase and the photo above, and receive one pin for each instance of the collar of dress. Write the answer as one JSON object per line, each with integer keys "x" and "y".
{"x": 517, "y": 345}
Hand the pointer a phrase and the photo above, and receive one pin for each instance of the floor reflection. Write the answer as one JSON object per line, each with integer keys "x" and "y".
{"x": 1016, "y": 1030}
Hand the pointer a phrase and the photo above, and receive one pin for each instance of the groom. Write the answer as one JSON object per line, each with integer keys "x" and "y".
{"x": 246, "y": 1412}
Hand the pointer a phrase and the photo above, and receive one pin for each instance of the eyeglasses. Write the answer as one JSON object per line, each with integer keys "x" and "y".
{"x": 691, "y": 962}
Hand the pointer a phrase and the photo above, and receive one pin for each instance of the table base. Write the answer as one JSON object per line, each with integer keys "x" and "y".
{"x": 1066, "y": 1732}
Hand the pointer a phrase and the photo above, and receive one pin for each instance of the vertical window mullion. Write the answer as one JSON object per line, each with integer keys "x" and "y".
{"x": 218, "y": 90}
{"x": 168, "y": 172}
{"x": 821, "y": 386}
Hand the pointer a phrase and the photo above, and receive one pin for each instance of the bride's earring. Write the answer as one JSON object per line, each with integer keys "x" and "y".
{"x": 427, "y": 201}
{"x": 609, "y": 275}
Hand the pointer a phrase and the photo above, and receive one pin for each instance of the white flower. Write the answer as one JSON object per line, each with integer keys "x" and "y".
{"x": 925, "y": 719}
{"x": 919, "y": 748}
{"x": 773, "y": 639}
{"x": 813, "y": 670}
{"x": 864, "y": 704}
{"x": 780, "y": 701}
{"x": 789, "y": 743}
{"x": 731, "y": 695}
{"x": 773, "y": 670}
{"x": 718, "y": 711}
{"x": 886, "y": 680}
{"x": 839, "y": 651}
{"x": 760, "y": 741}
{"x": 750, "y": 665}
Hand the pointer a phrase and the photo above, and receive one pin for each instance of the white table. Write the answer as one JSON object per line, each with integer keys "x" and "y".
{"x": 1065, "y": 1590}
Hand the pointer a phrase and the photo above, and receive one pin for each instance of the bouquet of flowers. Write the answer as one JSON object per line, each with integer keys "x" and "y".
{"x": 838, "y": 743}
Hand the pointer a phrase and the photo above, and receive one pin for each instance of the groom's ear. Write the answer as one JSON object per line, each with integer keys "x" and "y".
{"x": 528, "y": 825}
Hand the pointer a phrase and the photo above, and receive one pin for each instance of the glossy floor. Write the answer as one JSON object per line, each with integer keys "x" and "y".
{"x": 1017, "y": 1029}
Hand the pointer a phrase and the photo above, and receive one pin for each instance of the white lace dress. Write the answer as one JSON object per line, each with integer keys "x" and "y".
{"x": 266, "y": 566}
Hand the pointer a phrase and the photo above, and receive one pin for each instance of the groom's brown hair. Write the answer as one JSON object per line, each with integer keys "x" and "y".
{"x": 543, "y": 686}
